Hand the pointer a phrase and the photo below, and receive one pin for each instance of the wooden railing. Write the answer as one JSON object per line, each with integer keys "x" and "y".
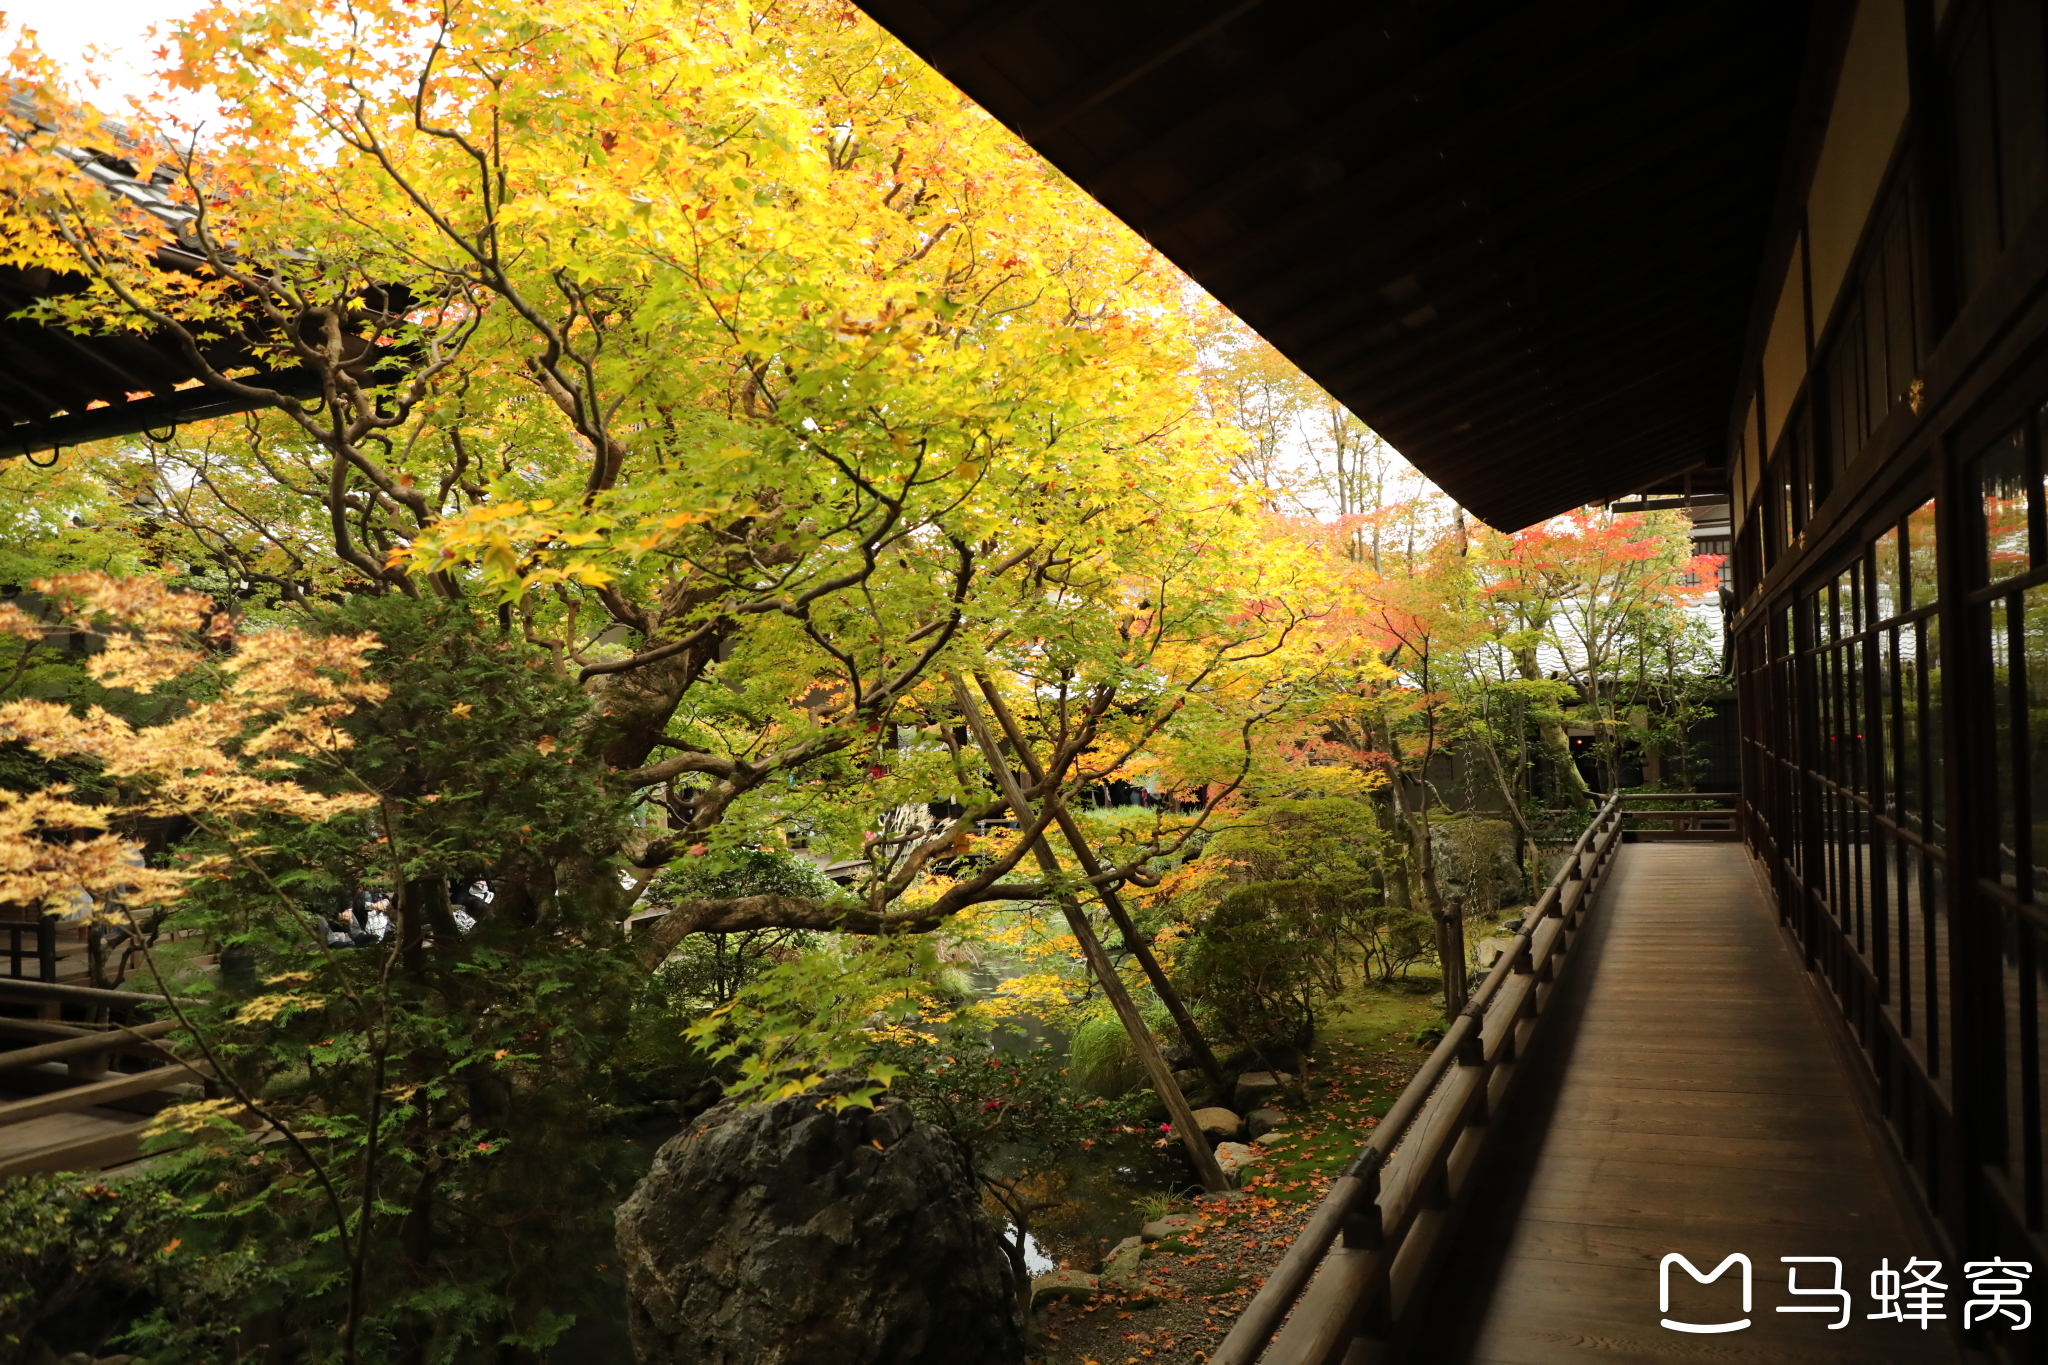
{"x": 31, "y": 1087}
{"x": 1671, "y": 817}
{"x": 34, "y": 943}
{"x": 1358, "y": 1263}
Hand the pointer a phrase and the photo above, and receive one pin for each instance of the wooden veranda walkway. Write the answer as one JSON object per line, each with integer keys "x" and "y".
{"x": 1682, "y": 1090}
{"x": 1694, "y": 1102}
{"x": 80, "y": 1076}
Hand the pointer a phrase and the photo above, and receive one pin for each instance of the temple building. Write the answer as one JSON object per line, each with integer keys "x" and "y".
{"x": 1785, "y": 257}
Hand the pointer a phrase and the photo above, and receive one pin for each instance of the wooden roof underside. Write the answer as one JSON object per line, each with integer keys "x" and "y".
{"x": 1519, "y": 239}
{"x": 60, "y": 388}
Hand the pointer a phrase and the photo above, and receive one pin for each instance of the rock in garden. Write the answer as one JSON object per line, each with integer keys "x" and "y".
{"x": 1478, "y": 861}
{"x": 1062, "y": 1284}
{"x": 1267, "y": 1141}
{"x": 1123, "y": 1261}
{"x": 787, "y": 1234}
{"x": 1160, "y": 1228}
{"x": 1191, "y": 1083}
{"x": 1263, "y": 1121}
{"x": 1235, "y": 1156}
{"x": 1489, "y": 950}
{"x": 1219, "y": 1125}
{"x": 1256, "y": 1088}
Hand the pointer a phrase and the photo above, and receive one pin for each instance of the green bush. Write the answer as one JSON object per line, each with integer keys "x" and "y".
{"x": 1389, "y": 939}
{"x": 1302, "y": 914}
{"x": 1101, "y": 1060}
{"x": 444, "y": 1171}
{"x": 737, "y": 872}
{"x": 706, "y": 971}
{"x": 71, "y": 1248}
{"x": 1262, "y": 964}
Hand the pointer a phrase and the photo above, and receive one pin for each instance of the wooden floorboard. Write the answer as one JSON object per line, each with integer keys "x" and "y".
{"x": 1702, "y": 1109}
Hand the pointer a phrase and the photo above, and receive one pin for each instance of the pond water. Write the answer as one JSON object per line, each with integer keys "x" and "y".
{"x": 1036, "y": 1260}
{"x": 1095, "y": 1194}
{"x": 1096, "y": 1199}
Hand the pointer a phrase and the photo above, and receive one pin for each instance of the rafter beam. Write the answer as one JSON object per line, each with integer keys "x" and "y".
{"x": 1118, "y": 76}
{"x": 148, "y": 414}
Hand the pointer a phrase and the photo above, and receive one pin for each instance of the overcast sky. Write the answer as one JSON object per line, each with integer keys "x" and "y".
{"x": 119, "y": 28}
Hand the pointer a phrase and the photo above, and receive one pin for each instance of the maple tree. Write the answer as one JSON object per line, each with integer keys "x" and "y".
{"x": 759, "y": 382}
{"x": 700, "y": 397}
{"x": 1588, "y": 593}
{"x": 1454, "y": 656}
{"x": 276, "y": 699}
{"x": 698, "y": 391}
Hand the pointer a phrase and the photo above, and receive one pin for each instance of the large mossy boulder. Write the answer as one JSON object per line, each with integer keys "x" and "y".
{"x": 788, "y": 1234}
{"x": 1478, "y": 862}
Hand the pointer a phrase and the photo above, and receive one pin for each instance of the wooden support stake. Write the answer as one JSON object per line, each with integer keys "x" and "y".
{"x": 1111, "y": 901}
{"x": 1168, "y": 1089}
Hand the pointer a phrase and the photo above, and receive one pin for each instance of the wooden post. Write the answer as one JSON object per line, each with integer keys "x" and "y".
{"x": 1449, "y": 914}
{"x": 1111, "y": 901}
{"x": 1105, "y": 972}
{"x": 1363, "y": 1230}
